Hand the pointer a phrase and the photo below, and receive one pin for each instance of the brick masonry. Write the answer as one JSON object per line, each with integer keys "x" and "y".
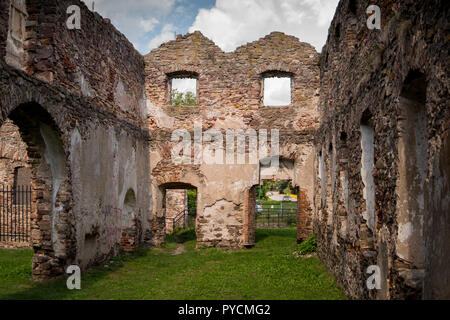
{"x": 393, "y": 82}
{"x": 378, "y": 134}
{"x": 176, "y": 203}
{"x": 230, "y": 97}
{"x": 81, "y": 118}
{"x": 13, "y": 155}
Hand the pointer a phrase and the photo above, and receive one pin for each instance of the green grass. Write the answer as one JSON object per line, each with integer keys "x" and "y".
{"x": 268, "y": 271}
{"x": 276, "y": 204}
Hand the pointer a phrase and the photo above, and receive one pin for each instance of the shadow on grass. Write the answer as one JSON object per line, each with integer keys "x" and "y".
{"x": 262, "y": 233}
{"x": 182, "y": 236}
{"x": 56, "y": 289}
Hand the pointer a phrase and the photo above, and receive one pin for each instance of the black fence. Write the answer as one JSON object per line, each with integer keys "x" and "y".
{"x": 15, "y": 213}
{"x": 275, "y": 216}
{"x": 185, "y": 219}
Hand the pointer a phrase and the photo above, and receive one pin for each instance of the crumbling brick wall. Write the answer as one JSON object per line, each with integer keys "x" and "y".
{"x": 86, "y": 143}
{"x": 13, "y": 153}
{"x": 176, "y": 204}
{"x": 230, "y": 98}
{"x": 4, "y": 17}
{"x": 369, "y": 81}
{"x": 95, "y": 61}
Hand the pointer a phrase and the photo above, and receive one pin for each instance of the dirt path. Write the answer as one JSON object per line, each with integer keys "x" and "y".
{"x": 179, "y": 250}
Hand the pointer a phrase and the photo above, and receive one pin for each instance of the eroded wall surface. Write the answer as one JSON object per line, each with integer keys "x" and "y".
{"x": 13, "y": 153}
{"x": 230, "y": 97}
{"x": 382, "y": 181}
{"x": 176, "y": 204}
{"x": 79, "y": 110}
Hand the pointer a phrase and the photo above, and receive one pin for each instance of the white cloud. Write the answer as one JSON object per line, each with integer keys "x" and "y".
{"x": 184, "y": 85}
{"x": 323, "y": 9}
{"x": 231, "y": 23}
{"x": 167, "y": 34}
{"x": 134, "y": 18}
{"x": 149, "y": 25}
{"x": 277, "y": 91}
{"x": 180, "y": 9}
{"x": 124, "y": 8}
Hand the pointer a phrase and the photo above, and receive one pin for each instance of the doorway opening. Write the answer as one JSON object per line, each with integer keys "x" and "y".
{"x": 276, "y": 205}
{"x": 180, "y": 207}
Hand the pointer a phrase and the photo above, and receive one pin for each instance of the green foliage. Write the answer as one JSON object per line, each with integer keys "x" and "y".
{"x": 180, "y": 99}
{"x": 261, "y": 192}
{"x": 283, "y": 187}
{"x": 192, "y": 200}
{"x": 308, "y": 246}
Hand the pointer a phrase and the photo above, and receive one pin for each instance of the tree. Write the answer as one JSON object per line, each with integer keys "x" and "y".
{"x": 180, "y": 99}
{"x": 261, "y": 192}
{"x": 192, "y": 201}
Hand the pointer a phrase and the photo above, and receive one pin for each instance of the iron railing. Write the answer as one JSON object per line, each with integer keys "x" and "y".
{"x": 15, "y": 213}
{"x": 184, "y": 216}
{"x": 275, "y": 216}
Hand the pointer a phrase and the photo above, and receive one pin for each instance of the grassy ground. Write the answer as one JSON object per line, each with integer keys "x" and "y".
{"x": 271, "y": 214}
{"x": 268, "y": 271}
{"x": 276, "y": 204}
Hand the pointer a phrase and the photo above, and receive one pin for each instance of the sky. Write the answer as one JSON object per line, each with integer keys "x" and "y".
{"x": 229, "y": 23}
{"x": 277, "y": 92}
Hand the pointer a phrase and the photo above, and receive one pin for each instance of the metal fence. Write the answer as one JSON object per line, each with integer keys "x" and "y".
{"x": 15, "y": 213}
{"x": 275, "y": 216}
{"x": 185, "y": 219}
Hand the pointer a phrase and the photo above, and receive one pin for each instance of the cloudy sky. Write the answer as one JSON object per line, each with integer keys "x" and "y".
{"x": 229, "y": 23}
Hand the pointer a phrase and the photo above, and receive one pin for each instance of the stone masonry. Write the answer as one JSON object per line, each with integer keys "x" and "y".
{"x": 382, "y": 154}
{"x": 77, "y": 98}
{"x": 365, "y": 139}
{"x": 176, "y": 204}
{"x": 14, "y": 172}
{"x": 230, "y": 97}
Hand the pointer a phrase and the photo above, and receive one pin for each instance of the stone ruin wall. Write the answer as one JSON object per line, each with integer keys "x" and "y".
{"x": 230, "y": 97}
{"x": 13, "y": 153}
{"x": 366, "y": 73}
{"x": 96, "y": 61}
{"x": 85, "y": 89}
{"x": 176, "y": 203}
{"x": 80, "y": 112}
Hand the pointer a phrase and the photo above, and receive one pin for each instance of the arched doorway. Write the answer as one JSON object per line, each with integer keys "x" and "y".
{"x": 179, "y": 206}
{"x": 129, "y": 226}
{"x": 273, "y": 204}
{"x": 49, "y": 197}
